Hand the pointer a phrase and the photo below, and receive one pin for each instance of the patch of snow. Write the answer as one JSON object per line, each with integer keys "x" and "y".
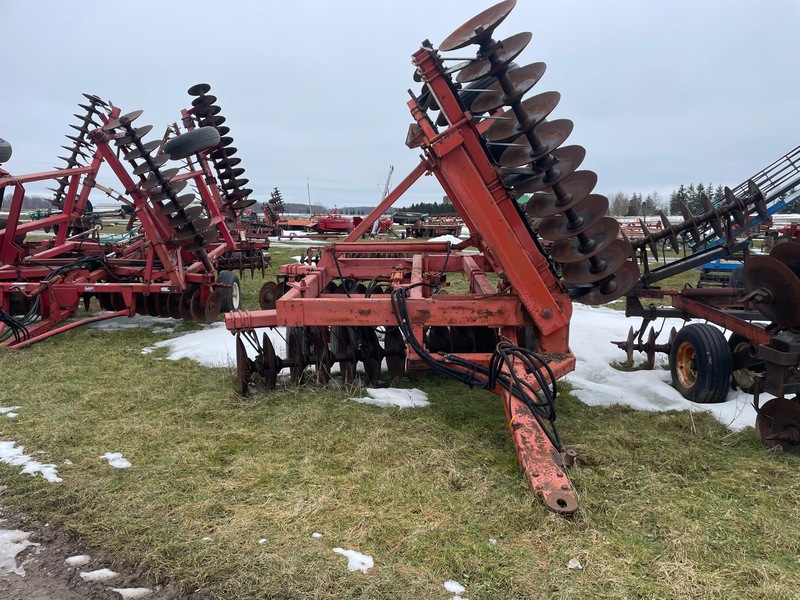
{"x": 9, "y": 411}
{"x": 207, "y": 539}
{"x": 13, "y": 455}
{"x": 492, "y": 541}
{"x": 80, "y": 560}
{"x": 453, "y": 587}
{"x": 355, "y": 560}
{"x": 12, "y": 542}
{"x": 596, "y": 382}
{"x": 116, "y": 460}
{"x": 316, "y": 535}
{"x": 262, "y": 541}
{"x": 574, "y": 564}
{"x": 99, "y": 575}
{"x": 132, "y": 593}
{"x": 445, "y": 238}
{"x": 401, "y": 398}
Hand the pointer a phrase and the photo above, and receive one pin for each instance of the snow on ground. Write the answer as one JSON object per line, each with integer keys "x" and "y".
{"x": 596, "y": 382}
{"x": 401, "y": 398}
{"x": 13, "y": 455}
{"x": 355, "y": 560}
{"x": 12, "y": 542}
{"x": 116, "y": 460}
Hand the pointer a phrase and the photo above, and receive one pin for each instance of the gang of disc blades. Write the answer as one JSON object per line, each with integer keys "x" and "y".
{"x": 596, "y": 237}
{"x": 508, "y": 51}
{"x": 587, "y": 213}
{"x": 607, "y": 262}
{"x": 536, "y": 107}
{"x": 479, "y": 28}
{"x": 522, "y": 80}
{"x": 782, "y": 304}
{"x": 550, "y": 134}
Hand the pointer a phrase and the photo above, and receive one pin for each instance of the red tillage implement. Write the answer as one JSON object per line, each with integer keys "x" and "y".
{"x": 485, "y": 145}
{"x": 167, "y": 264}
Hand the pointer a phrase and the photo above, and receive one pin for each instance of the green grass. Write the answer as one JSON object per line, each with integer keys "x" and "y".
{"x": 673, "y": 504}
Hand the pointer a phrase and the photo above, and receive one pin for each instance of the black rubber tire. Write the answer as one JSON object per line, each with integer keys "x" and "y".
{"x": 192, "y": 142}
{"x": 5, "y": 151}
{"x": 743, "y": 379}
{"x": 701, "y": 364}
{"x": 231, "y": 296}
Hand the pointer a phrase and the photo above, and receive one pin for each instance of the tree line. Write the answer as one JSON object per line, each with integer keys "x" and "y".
{"x": 637, "y": 205}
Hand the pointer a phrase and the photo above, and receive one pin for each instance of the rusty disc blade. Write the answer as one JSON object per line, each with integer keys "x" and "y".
{"x": 551, "y": 134}
{"x": 596, "y": 237}
{"x": 231, "y": 173}
{"x": 223, "y": 153}
{"x": 789, "y": 254}
{"x": 522, "y": 80}
{"x": 242, "y": 204}
{"x": 162, "y": 302}
{"x": 213, "y": 306}
{"x": 186, "y": 302}
{"x": 782, "y": 287}
{"x": 209, "y": 237}
{"x": 234, "y": 183}
{"x": 574, "y": 189}
{"x": 185, "y": 217}
{"x": 153, "y": 179}
{"x": 173, "y": 206}
{"x": 479, "y": 28}
{"x": 243, "y": 366}
{"x": 198, "y": 89}
{"x": 536, "y": 107}
{"x": 174, "y": 306}
{"x": 508, "y": 51}
{"x": 137, "y": 133}
{"x": 395, "y": 351}
{"x": 122, "y": 119}
{"x": 583, "y": 216}
{"x": 196, "y": 307}
{"x": 623, "y": 280}
{"x": 550, "y": 172}
{"x": 601, "y": 265}
{"x": 778, "y": 424}
{"x": 202, "y": 100}
{"x": 268, "y": 295}
{"x": 174, "y": 187}
{"x": 268, "y": 363}
{"x": 147, "y": 147}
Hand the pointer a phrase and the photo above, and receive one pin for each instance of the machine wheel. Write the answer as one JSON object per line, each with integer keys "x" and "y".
{"x": 744, "y": 378}
{"x": 5, "y": 151}
{"x": 192, "y": 142}
{"x": 231, "y": 296}
{"x": 701, "y": 364}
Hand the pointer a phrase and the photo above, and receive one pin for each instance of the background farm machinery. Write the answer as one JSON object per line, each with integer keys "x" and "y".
{"x": 366, "y": 302}
{"x": 176, "y": 261}
{"x": 756, "y": 298}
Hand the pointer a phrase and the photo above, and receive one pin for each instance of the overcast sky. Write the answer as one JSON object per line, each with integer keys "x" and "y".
{"x": 661, "y": 93}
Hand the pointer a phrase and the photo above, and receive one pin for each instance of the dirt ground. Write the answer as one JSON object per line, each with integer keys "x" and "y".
{"x": 48, "y": 577}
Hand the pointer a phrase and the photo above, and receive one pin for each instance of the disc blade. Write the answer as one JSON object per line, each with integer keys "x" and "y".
{"x": 623, "y": 280}
{"x": 209, "y": 237}
{"x": 174, "y": 186}
{"x": 127, "y": 118}
{"x": 522, "y": 80}
{"x": 536, "y": 107}
{"x": 583, "y": 216}
{"x": 569, "y": 158}
{"x": 574, "y": 189}
{"x": 781, "y": 288}
{"x": 789, "y": 254}
{"x": 595, "y": 239}
{"x": 550, "y": 134}
{"x": 187, "y": 216}
{"x": 601, "y": 265}
{"x": 509, "y": 49}
{"x": 778, "y": 424}
{"x": 173, "y": 206}
{"x": 479, "y": 28}
{"x": 147, "y": 147}
{"x": 222, "y": 153}
{"x": 198, "y": 89}
{"x": 201, "y": 100}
